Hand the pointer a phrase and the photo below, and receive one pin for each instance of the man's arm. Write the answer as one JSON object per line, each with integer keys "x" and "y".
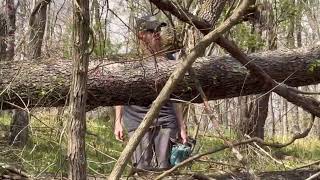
{"x": 118, "y": 130}
{"x": 181, "y": 123}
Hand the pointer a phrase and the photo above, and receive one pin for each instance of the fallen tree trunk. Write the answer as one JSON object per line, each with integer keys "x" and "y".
{"x": 137, "y": 81}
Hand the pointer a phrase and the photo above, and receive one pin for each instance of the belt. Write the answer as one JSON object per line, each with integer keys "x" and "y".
{"x": 158, "y": 126}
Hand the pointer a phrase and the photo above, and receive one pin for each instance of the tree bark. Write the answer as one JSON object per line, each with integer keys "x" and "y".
{"x": 19, "y": 130}
{"x": 37, "y": 25}
{"x": 256, "y": 117}
{"x": 111, "y": 83}
{"x": 273, "y": 118}
{"x": 211, "y": 10}
{"x": 296, "y": 119}
{"x": 18, "y": 135}
{"x": 255, "y": 111}
{"x": 271, "y": 27}
{"x": 78, "y": 91}
{"x": 3, "y": 34}
{"x": 290, "y": 30}
{"x": 11, "y": 10}
{"x": 100, "y": 48}
{"x": 312, "y": 20}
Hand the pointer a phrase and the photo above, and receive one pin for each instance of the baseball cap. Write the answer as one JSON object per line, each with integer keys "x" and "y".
{"x": 149, "y": 23}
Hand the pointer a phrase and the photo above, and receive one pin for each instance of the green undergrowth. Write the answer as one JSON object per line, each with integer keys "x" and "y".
{"x": 302, "y": 151}
{"x": 46, "y": 151}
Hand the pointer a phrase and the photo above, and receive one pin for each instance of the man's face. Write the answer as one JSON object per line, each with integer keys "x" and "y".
{"x": 152, "y": 40}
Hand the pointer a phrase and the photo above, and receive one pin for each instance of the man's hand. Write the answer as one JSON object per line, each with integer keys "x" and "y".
{"x": 181, "y": 123}
{"x": 184, "y": 135}
{"x": 118, "y": 131}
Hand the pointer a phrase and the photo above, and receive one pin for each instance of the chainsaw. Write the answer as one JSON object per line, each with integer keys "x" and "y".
{"x": 181, "y": 152}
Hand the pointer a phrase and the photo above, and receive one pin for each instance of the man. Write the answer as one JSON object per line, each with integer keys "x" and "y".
{"x": 170, "y": 119}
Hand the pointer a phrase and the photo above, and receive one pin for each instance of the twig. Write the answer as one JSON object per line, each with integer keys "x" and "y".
{"x": 101, "y": 152}
{"x": 314, "y": 176}
{"x": 302, "y": 92}
{"x": 307, "y": 165}
{"x": 266, "y": 153}
{"x": 220, "y": 163}
{"x": 14, "y": 170}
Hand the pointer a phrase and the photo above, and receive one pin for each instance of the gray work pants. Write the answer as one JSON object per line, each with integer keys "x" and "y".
{"x": 155, "y": 142}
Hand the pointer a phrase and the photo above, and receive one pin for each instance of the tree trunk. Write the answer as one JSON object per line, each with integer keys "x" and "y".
{"x": 112, "y": 83}
{"x": 312, "y": 19}
{"x": 219, "y": 110}
{"x": 316, "y": 88}
{"x": 19, "y": 130}
{"x": 271, "y": 27}
{"x": 254, "y": 126}
{"x": 18, "y": 135}
{"x": 49, "y": 30}
{"x": 20, "y": 118}
{"x": 99, "y": 49}
{"x": 298, "y": 24}
{"x": 257, "y": 112}
{"x": 296, "y": 119}
{"x": 78, "y": 91}
{"x": 285, "y": 118}
{"x": 37, "y": 26}
{"x": 290, "y": 32}
{"x": 290, "y": 42}
{"x": 258, "y": 116}
{"x": 11, "y": 10}
{"x": 280, "y": 114}
{"x": 244, "y": 116}
{"x": 211, "y": 10}
{"x": 273, "y": 118}
{"x": 3, "y": 34}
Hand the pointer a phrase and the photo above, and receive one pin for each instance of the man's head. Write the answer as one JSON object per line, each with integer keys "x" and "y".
{"x": 149, "y": 28}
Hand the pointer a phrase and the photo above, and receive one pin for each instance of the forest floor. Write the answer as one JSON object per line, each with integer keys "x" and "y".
{"x": 300, "y": 174}
{"x": 44, "y": 156}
